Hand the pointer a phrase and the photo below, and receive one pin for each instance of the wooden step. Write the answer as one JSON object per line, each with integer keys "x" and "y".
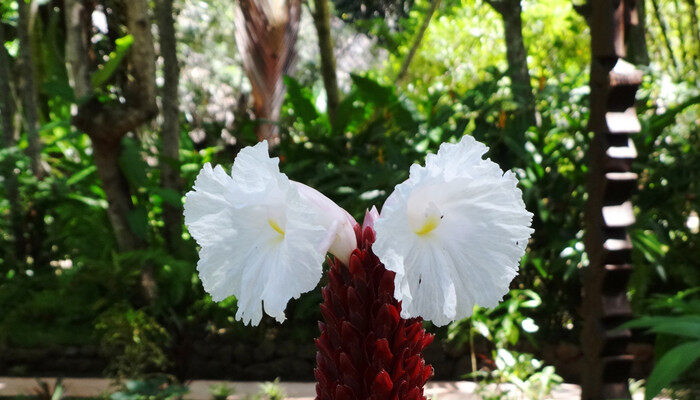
{"x": 615, "y": 306}
{"x": 622, "y": 122}
{"x": 625, "y": 74}
{"x": 616, "y": 277}
{"x": 624, "y": 151}
{"x": 617, "y": 251}
{"x": 618, "y": 215}
{"x": 619, "y": 186}
{"x": 616, "y": 368}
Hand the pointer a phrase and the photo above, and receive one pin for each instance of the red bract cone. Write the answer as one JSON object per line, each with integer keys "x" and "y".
{"x": 366, "y": 350}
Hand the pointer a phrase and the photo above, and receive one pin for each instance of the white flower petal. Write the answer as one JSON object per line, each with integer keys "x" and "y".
{"x": 340, "y": 240}
{"x": 260, "y": 240}
{"x": 454, "y": 233}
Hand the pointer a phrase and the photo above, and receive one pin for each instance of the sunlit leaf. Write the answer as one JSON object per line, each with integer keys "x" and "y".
{"x": 670, "y": 367}
{"x": 80, "y": 175}
{"x": 102, "y": 75}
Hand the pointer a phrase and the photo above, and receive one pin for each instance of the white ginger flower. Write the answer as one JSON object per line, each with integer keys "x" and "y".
{"x": 263, "y": 237}
{"x": 454, "y": 233}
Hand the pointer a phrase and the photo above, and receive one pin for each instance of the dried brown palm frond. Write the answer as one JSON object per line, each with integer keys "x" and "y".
{"x": 266, "y": 32}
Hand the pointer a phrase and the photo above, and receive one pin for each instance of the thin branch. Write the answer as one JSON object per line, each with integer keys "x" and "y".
{"x": 695, "y": 26}
{"x": 417, "y": 41}
{"x": 322, "y": 21}
{"x": 664, "y": 35}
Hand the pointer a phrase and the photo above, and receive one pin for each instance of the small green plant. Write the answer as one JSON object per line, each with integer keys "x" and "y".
{"x": 504, "y": 326}
{"x": 221, "y": 391}
{"x": 133, "y": 341}
{"x": 44, "y": 391}
{"x": 531, "y": 377}
{"x": 683, "y": 329}
{"x": 271, "y": 391}
{"x": 150, "y": 389}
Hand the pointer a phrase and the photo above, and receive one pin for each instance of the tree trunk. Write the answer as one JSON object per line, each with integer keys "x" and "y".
{"x": 322, "y": 21}
{"x": 417, "y": 41}
{"x": 106, "y": 123}
{"x": 519, "y": 75}
{"x": 637, "y": 51}
{"x": 116, "y": 189}
{"x": 27, "y": 88}
{"x": 8, "y": 111}
{"x": 78, "y": 26}
{"x": 170, "y": 134}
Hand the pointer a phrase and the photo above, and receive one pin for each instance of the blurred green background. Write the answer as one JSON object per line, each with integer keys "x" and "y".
{"x": 74, "y": 300}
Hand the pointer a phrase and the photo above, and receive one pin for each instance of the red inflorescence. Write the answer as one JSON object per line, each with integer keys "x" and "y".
{"x": 366, "y": 350}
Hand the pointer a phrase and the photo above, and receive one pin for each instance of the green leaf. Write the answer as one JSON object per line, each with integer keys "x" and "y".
{"x": 55, "y": 124}
{"x": 102, "y": 75}
{"x": 97, "y": 203}
{"x": 689, "y": 329}
{"x": 58, "y": 391}
{"x": 671, "y": 366}
{"x": 345, "y": 112}
{"x": 372, "y": 91}
{"x": 80, "y": 175}
{"x": 169, "y": 196}
{"x": 58, "y": 88}
{"x": 138, "y": 221}
{"x": 132, "y": 164}
{"x": 301, "y": 101}
{"x": 650, "y": 322}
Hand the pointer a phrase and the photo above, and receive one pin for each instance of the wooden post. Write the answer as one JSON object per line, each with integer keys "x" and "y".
{"x": 610, "y": 182}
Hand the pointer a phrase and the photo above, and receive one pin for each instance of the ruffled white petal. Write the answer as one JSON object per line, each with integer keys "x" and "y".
{"x": 260, "y": 239}
{"x": 454, "y": 233}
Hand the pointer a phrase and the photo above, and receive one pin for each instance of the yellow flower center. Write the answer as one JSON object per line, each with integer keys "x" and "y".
{"x": 275, "y": 226}
{"x": 429, "y": 225}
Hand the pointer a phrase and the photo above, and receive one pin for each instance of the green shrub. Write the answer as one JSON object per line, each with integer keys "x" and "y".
{"x": 133, "y": 342}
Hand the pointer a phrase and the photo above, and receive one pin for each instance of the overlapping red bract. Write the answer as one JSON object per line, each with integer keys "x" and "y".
{"x": 366, "y": 350}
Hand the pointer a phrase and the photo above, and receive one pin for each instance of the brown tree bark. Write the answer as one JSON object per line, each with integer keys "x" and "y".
{"x": 637, "y": 51}
{"x": 78, "y": 26}
{"x": 322, "y": 21}
{"x": 518, "y": 72}
{"x": 27, "y": 90}
{"x": 170, "y": 133}
{"x": 8, "y": 112}
{"x": 106, "y": 123}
